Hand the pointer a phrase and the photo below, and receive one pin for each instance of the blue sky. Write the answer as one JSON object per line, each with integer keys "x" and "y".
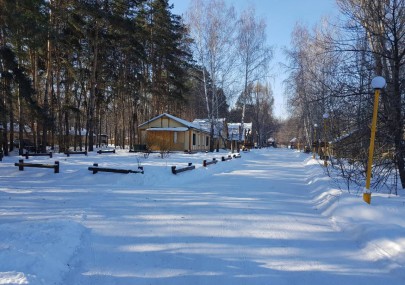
{"x": 281, "y": 17}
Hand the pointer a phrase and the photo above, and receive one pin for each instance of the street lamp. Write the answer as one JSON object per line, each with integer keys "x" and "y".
{"x": 325, "y": 154}
{"x": 377, "y": 84}
{"x": 315, "y": 141}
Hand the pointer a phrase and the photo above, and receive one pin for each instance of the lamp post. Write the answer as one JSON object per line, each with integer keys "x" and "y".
{"x": 325, "y": 153}
{"x": 377, "y": 84}
{"x": 315, "y": 142}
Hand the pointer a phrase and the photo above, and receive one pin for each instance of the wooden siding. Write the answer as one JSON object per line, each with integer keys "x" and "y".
{"x": 165, "y": 139}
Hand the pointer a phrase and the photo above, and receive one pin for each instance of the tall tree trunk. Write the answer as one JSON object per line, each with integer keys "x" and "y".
{"x": 93, "y": 90}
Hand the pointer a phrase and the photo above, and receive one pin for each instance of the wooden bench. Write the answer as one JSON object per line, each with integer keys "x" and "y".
{"x": 96, "y": 169}
{"x": 226, "y": 158}
{"x": 189, "y": 167}
{"x": 206, "y": 163}
{"x": 106, "y": 151}
{"x": 21, "y": 164}
{"x": 68, "y": 153}
{"x": 27, "y": 154}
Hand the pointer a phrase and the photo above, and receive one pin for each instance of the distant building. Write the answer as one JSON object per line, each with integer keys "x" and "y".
{"x": 271, "y": 142}
{"x": 293, "y": 143}
{"x": 167, "y": 132}
{"x": 78, "y": 136}
{"x": 240, "y": 134}
{"x": 220, "y": 130}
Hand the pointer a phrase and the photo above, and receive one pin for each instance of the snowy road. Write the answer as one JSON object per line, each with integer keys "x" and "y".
{"x": 255, "y": 225}
{"x": 248, "y": 221}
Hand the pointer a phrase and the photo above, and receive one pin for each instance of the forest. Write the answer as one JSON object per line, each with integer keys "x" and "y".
{"x": 329, "y": 88}
{"x": 103, "y": 67}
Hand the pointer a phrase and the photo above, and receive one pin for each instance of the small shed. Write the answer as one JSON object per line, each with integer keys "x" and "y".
{"x": 169, "y": 133}
{"x": 241, "y": 133}
{"x": 77, "y": 136}
{"x": 271, "y": 142}
{"x": 294, "y": 143}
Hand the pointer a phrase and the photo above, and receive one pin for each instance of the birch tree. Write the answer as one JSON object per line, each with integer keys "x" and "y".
{"x": 212, "y": 26}
{"x": 253, "y": 52}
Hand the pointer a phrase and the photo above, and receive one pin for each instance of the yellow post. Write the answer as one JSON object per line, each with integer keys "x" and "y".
{"x": 367, "y": 194}
{"x": 377, "y": 83}
{"x": 325, "y": 153}
{"x": 314, "y": 142}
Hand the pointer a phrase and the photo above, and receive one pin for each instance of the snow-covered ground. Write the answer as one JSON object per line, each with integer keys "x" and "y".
{"x": 269, "y": 217}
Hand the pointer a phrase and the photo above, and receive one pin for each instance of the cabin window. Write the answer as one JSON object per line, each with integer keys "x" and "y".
{"x": 194, "y": 139}
{"x": 207, "y": 141}
{"x": 175, "y": 137}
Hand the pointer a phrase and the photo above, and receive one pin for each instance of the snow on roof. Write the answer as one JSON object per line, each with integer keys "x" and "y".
{"x": 82, "y": 132}
{"x": 237, "y": 125}
{"x": 235, "y": 128}
{"x": 205, "y": 124}
{"x": 181, "y": 121}
{"x": 178, "y": 129}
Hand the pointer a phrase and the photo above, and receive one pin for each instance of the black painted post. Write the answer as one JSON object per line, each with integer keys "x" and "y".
{"x": 56, "y": 166}
{"x": 95, "y": 170}
{"x": 21, "y": 166}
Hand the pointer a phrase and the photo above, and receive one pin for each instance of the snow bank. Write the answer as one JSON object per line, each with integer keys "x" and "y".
{"x": 378, "y": 228}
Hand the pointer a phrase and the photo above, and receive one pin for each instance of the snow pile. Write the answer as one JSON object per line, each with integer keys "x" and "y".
{"x": 378, "y": 228}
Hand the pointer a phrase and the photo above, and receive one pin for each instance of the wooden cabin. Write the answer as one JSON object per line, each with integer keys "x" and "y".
{"x": 169, "y": 133}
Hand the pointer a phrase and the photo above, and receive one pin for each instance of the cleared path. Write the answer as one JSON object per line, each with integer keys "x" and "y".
{"x": 255, "y": 225}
